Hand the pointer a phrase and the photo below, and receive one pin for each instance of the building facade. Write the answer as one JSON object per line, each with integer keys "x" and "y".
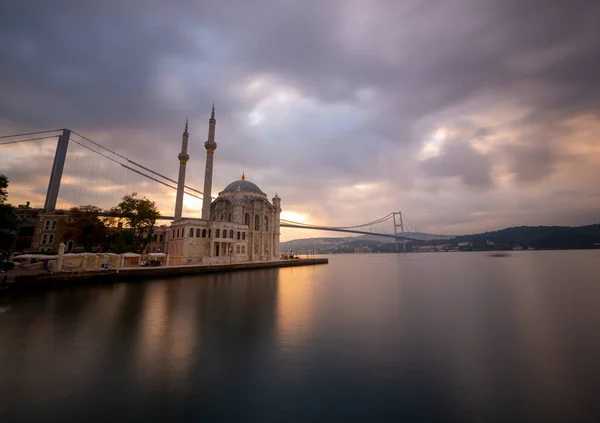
{"x": 240, "y": 225}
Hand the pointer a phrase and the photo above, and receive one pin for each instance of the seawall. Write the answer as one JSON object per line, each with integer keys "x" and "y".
{"x": 135, "y": 274}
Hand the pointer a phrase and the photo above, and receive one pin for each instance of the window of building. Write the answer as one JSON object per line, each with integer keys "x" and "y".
{"x": 237, "y": 249}
{"x": 203, "y": 233}
{"x": 222, "y": 216}
{"x": 47, "y": 224}
{"x": 243, "y": 249}
{"x": 266, "y": 223}
{"x": 191, "y": 232}
{"x": 217, "y": 233}
{"x": 247, "y": 219}
{"x": 154, "y": 238}
{"x": 239, "y": 235}
{"x": 197, "y": 232}
{"x": 161, "y": 238}
{"x": 209, "y": 233}
{"x": 53, "y": 225}
{"x": 243, "y": 236}
{"x": 231, "y": 233}
{"x": 256, "y": 222}
{"x": 70, "y": 245}
{"x": 229, "y": 217}
{"x": 44, "y": 239}
{"x": 51, "y": 239}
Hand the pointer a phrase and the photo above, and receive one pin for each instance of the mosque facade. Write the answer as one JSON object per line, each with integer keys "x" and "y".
{"x": 240, "y": 225}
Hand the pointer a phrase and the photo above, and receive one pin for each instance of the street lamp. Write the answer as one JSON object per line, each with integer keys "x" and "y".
{"x": 230, "y": 256}
{"x": 267, "y": 254}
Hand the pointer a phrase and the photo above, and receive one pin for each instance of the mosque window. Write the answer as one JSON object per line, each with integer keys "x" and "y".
{"x": 238, "y": 235}
{"x": 231, "y": 233}
{"x": 256, "y": 222}
{"x": 266, "y": 223}
{"x": 191, "y": 232}
{"x": 203, "y": 233}
{"x": 247, "y": 219}
{"x": 197, "y": 232}
{"x": 243, "y": 236}
{"x": 217, "y": 233}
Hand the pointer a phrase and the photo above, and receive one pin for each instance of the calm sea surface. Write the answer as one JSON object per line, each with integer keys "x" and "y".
{"x": 419, "y": 337}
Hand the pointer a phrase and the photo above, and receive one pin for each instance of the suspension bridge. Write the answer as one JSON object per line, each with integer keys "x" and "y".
{"x": 86, "y": 172}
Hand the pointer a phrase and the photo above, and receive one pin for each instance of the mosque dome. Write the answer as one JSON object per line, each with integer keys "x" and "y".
{"x": 244, "y": 185}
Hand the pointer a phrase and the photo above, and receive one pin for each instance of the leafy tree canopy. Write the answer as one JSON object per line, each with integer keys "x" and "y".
{"x": 140, "y": 215}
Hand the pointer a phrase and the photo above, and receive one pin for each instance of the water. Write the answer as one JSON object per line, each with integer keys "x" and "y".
{"x": 422, "y": 337}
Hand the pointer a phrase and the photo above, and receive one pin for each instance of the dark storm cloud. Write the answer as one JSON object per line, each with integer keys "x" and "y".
{"x": 129, "y": 72}
{"x": 460, "y": 160}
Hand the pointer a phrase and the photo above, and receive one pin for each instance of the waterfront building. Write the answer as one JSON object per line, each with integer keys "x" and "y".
{"x": 240, "y": 225}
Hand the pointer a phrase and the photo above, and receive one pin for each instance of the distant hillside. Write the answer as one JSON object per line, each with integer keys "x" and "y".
{"x": 536, "y": 237}
{"x": 349, "y": 244}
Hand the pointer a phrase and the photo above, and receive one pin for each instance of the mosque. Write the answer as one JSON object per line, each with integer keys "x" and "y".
{"x": 240, "y": 225}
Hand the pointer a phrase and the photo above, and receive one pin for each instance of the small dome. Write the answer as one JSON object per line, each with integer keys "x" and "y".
{"x": 244, "y": 185}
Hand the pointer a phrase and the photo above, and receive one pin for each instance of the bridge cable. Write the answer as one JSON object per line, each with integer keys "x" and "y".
{"x": 136, "y": 164}
{"x": 29, "y": 133}
{"x": 133, "y": 170}
{"x": 29, "y": 139}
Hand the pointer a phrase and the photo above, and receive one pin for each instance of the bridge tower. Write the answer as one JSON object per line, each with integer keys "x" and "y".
{"x": 399, "y": 224}
{"x": 210, "y": 146}
{"x": 57, "y": 170}
{"x": 183, "y": 158}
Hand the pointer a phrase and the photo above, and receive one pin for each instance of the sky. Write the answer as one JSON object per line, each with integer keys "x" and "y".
{"x": 466, "y": 115}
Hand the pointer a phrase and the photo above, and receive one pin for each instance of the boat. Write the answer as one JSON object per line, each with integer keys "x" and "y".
{"x": 517, "y": 248}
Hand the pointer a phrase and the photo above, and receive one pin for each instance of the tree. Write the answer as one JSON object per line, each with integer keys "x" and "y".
{"x": 3, "y": 189}
{"x": 87, "y": 229}
{"x": 140, "y": 215}
{"x": 8, "y": 220}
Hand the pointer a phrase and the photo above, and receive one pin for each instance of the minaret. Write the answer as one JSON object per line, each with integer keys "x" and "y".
{"x": 183, "y": 158}
{"x": 210, "y": 146}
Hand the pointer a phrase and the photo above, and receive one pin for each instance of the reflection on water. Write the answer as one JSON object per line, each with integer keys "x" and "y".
{"x": 418, "y": 337}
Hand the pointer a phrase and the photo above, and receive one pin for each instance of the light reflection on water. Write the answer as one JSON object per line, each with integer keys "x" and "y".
{"x": 418, "y": 337}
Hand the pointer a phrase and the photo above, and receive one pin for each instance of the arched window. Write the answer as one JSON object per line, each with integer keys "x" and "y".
{"x": 238, "y": 235}
{"x": 266, "y": 223}
{"x": 203, "y": 233}
{"x": 243, "y": 236}
{"x": 247, "y": 219}
{"x": 256, "y": 222}
{"x": 231, "y": 233}
{"x": 217, "y": 233}
{"x": 229, "y": 217}
{"x": 209, "y": 233}
{"x": 197, "y": 232}
{"x": 191, "y": 232}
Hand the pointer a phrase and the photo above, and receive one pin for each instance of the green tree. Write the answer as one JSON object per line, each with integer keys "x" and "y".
{"x": 122, "y": 242}
{"x": 3, "y": 189}
{"x": 8, "y": 220}
{"x": 88, "y": 229}
{"x": 140, "y": 215}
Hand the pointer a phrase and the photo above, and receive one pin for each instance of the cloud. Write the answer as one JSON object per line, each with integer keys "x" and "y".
{"x": 317, "y": 97}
